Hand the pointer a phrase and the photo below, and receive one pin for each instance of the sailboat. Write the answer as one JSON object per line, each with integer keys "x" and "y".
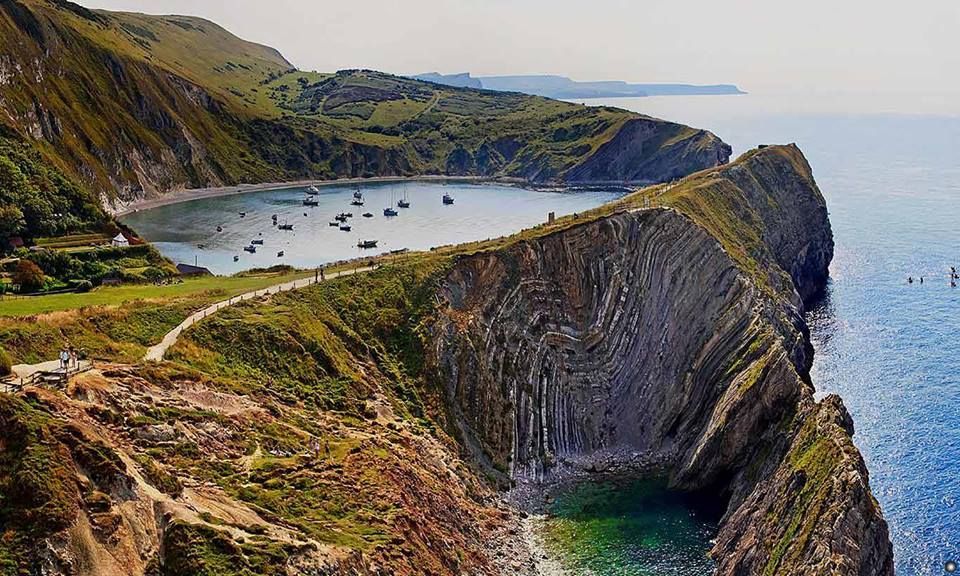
{"x": 389, "y": 211}
{"x": 313, "y": 190}
{"x": 403, "y": 202}
{"x": 447, "y": 199}
{"x": 310, "y": 201}
{"x": 357, "y": 194}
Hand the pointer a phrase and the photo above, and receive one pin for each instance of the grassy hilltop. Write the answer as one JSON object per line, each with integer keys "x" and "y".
{"x": 134, "y": 105}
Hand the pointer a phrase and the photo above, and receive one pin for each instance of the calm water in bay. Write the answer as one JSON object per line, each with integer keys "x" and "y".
{"x": 480, "y": 211}
{"x": 889, "y": 349}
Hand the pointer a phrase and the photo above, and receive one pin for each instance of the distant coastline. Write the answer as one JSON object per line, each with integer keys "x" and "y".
{"x": 563, "y": 88}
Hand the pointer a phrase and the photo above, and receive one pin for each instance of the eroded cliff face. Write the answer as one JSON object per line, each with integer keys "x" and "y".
{"x": 643, "y": 331}
{"x": 627, "y": 157}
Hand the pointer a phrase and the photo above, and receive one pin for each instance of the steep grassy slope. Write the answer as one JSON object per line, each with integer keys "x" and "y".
{"x": 136, "y": 105}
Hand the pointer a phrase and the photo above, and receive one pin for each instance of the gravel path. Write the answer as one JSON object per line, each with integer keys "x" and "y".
{"x": 157, "y": 351}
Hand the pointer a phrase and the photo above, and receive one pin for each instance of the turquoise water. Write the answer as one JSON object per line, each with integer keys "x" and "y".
{"x": 889, "y": 349}
{"x": 479, "y": 212}
{"x": 629, "y": 528}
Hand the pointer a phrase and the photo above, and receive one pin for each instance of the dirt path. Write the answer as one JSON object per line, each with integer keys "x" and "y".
{"x": 157, "y": 351}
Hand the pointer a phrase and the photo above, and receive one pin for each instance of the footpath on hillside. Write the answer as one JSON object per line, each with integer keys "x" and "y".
{"x": 26, "y": 372}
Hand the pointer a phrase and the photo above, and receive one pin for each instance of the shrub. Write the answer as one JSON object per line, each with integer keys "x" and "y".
{"x": 83, "y": 286}
{"x": 6, "y": 365}
{"x": 29, "y": 276}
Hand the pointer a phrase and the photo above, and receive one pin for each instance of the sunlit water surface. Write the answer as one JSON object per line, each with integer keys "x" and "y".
{"x": 480, "y": 211}
{"x": 891, "y": 350}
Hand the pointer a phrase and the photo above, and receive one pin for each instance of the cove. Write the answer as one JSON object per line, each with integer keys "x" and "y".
{"x": 480, "y": 211}
{"x": 635, "y": 527}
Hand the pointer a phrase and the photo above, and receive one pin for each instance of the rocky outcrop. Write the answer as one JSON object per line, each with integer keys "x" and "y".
{"x": 627, "y": 156}
{"x": 646, "y": 331}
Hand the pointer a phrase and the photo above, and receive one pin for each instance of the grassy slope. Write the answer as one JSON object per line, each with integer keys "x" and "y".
{"x": 126, "y": 100}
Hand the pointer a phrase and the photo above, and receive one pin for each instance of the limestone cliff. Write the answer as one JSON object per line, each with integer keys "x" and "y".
{"x": 676, "y": 331}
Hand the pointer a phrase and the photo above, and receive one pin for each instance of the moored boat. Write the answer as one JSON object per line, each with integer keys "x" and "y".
{"x": 257, "y": 242}
{"x": 447, "y": 199}
{"x": 251, "y": 249}
{"x": 368, "y": 215}
{"x": 389, "y": 212}
{"x": 308, "y": 201}
{"x": 367, "y": 244}
{"x": 285, "y": 226}
{"x": 345, "y": 227}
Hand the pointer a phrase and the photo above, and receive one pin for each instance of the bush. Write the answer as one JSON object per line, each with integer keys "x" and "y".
{"x": 6, "y": 365}
{"x": 29, "y": 276}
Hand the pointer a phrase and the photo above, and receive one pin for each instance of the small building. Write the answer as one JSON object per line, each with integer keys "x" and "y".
{"x": 191, "y": 270}
{"x": 120, "y": 241}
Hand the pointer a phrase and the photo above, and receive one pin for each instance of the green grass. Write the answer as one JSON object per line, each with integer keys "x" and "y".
{"x": 220, "y": 287}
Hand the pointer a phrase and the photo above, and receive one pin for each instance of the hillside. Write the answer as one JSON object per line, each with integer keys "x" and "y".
{"x": 364, "y": 425}
{"x": 134, "y": 105}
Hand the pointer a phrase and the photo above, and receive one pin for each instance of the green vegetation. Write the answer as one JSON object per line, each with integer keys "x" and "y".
{"x": 202, "y": 289}
{"x": 113, "y": 323}
{"x": 37, "y": 199}
{"x": 302, "y": 345}
{"x": 167, "y": 101}
{"x": 38, "y": 490}
{"x": 6, "y": 364}
{"x": 199, "y": 550}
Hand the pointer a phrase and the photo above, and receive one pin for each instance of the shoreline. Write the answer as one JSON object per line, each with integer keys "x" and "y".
{"x": 190, "y": 194}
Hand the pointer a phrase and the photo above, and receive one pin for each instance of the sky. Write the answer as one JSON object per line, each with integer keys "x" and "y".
{"x": 907, "y": 51}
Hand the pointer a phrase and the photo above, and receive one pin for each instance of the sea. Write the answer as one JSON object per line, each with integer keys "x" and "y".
{"x": 889, "y": 348}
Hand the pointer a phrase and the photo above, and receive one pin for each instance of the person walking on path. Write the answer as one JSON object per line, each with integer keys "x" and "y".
{"x": 64, "y": 358}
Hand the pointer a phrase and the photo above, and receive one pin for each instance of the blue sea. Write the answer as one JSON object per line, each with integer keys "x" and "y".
{"x": 890, "y": 349}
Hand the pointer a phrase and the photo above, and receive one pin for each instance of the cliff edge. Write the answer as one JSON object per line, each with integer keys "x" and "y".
{"x": 676, "y": 331}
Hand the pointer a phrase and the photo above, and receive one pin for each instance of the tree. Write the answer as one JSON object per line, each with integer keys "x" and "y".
{"x": 11, "y": 221}
{"x": 29, "y": 276}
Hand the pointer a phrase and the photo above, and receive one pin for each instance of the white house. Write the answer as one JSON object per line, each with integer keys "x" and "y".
{"x": 120, "y": 241}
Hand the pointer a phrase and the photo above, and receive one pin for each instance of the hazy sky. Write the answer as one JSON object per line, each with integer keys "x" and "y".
{"x": 882, "y": 47}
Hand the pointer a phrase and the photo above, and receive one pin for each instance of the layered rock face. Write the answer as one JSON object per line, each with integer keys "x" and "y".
{"x": 645, "y": 331}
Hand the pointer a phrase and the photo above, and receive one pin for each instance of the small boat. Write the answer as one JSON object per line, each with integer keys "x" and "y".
{"x": 367, "y": 244}
{"x": 257, "y": 242}
{"x": 304, "y": 213}
{"x": 236, "y": 258}
{"x": 308, "y": 201}
{"x": 243, "y": 214}
{"x": 403, "y": 203}
{"x": 219, "y": 228}
{"x": 340, "y": 217}
{"x": 368, "y": 215}
{"x": 345, "y": 227}
{"x": 348, "y": 214}
{"x": 274, "y": 218}
{"x": 357, "y": 202}
{"x": 389, "y": 212}
{"x": 447, "y": 199}
{"x": 285, "y": 226}
{"x": 251, "y": 249}
{"x": 313, "y": 190}
{"x": 357, "y": 194}
{"x": 334, "y": 223}
{"x": 280, "y": 254}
